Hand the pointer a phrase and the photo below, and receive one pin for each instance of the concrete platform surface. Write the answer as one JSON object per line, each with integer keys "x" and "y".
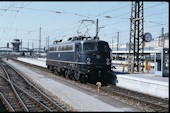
{"x": 145, "y": 83}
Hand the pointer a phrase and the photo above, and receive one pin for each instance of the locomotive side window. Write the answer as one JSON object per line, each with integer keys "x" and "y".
{"x": 59, "y": 48}
{"x": 90, "y": 47}
{"x": 62, "y": 48}
{"x": 71, "y": 47}
{"x": 67, "y": 48}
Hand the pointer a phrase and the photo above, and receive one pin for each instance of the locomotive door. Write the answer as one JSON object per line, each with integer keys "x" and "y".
{"x": 77, "y": 53}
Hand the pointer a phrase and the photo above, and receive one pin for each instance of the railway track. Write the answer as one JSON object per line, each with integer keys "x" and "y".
{"x": 142, "y": 101}
{"x": 32, "y": 98}
{"x": 11, "y": 99}
{"x": 4, "y": 104}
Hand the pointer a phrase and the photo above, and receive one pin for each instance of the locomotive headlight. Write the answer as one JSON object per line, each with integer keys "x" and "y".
{"x": 98, "y": 56}
{"x": 111, "y": 55}
{"x": 107, "y": 61}
{"x": 88, "y": 61}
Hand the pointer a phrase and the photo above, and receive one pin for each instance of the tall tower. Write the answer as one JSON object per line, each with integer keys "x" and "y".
{"x": 162, "y": 38}
{"x": 136, "y": 42}
{"x": 39, "y": 42}
{"x": 16, "y": 43}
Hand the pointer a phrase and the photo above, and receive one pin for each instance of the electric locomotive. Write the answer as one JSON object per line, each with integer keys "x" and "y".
{"x": 83, "y": 59}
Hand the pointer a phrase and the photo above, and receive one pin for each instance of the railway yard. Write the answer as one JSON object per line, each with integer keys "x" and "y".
{"x": 27, "y": 87}
{"x": 84, "y": 56}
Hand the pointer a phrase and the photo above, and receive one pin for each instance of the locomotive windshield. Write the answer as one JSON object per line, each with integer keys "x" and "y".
{"x": 103, "y": 46}
{"x": 90, "y": 47}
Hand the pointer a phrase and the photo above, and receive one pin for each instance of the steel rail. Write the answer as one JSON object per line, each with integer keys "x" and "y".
{"x": 53, "y": 106}
{"x": 22, "y": 103}
{"x": 6, "y": 103}
{"x": 34, "y": 100}
{"x": 23, "y": 107}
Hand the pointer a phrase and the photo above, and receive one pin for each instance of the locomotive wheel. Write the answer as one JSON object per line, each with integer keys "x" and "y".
{"x": 56, "y": 72}
{"x": 66, "y": 74}
{"x": 63, "y": 72}
{"x": 50, "y": 68}
{"x": 83, "y": 78}
{"x": 76, "y": 75}
{"x": 71, "y": 77}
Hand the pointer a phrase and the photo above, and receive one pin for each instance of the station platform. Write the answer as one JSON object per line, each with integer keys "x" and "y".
{"x": 145, "y": 83}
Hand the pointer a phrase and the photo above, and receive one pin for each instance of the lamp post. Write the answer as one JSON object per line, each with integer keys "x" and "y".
{"x": 117, "y": 41}
{"x": 98, "y": 28}
{"x": 113, "y": 42}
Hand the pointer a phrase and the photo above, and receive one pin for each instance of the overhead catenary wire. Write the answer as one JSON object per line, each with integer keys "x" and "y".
{"x": 15, "y": 16}
{"x": 81, "y": 14}
{"x": 127, "y": 13}
{"x": 101, "y": 15}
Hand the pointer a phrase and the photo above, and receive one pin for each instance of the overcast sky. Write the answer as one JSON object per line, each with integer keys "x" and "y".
{"x": 61, "y": 20}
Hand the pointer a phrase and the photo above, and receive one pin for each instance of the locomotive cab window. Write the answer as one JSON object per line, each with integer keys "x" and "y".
{"x": 90, "y": 47}
{"x": 104, "y": 47}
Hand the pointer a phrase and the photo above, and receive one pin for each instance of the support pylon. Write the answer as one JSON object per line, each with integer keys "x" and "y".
{"x": 136, "y": 42}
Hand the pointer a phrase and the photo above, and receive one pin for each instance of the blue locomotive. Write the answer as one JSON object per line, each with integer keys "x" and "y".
{"x": 83, "y": 59}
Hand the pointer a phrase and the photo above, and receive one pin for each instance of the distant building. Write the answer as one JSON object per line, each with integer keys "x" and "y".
{"x": 160, "y": 41}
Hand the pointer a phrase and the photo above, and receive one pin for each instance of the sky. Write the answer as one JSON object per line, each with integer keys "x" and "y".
{"x": 61, "y": 20}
